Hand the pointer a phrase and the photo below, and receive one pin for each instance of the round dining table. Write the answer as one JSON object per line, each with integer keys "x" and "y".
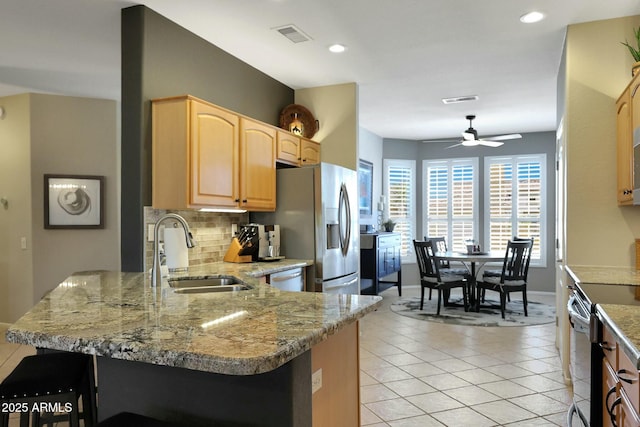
{"x": 473, "y": 262}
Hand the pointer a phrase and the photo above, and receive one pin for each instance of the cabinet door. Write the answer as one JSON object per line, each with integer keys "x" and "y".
{"x": 609, "y": 394}
{"x": 288, "y": 149}
{"x": 309, "y": 152}
{"x": 257, "y": 165}
{"x": 624, "y": 150}
{"x": 382, "y": 262}
{"x": 396, "y": 258}
{"x": 213, "y": 156}
{"x": 627, "y": 412}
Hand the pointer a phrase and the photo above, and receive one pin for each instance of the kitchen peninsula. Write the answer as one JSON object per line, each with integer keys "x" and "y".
{"x": 239, "y": 358}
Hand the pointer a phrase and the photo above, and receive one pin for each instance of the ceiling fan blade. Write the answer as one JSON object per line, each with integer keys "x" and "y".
{"x": 506, "y": 137}
{"x": 490, "y": 143}
{"x": 454, "y": 145}
{"x": 426, "y": 141}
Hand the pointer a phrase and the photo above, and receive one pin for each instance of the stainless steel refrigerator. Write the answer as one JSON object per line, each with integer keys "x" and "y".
{"x": 317, "y": 210}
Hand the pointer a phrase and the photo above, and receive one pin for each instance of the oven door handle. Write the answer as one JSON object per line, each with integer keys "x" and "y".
{"x": 578, "y": 322}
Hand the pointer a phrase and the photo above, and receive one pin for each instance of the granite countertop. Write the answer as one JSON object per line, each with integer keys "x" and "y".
{"x": 118, "y": 315}
{"x": 605, "y": 275}
{"x": 624, "y": 322}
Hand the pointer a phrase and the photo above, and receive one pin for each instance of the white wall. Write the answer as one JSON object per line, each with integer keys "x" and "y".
{"x": 598, "y": 68}
{"x": 336, "y": 108}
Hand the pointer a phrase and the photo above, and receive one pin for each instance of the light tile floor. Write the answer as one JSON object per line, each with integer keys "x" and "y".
{"x": 418, "y": 373}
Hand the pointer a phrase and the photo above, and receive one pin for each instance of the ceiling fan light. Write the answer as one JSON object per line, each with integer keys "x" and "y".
{"x": 470, "y": 142}
{"x": 532, "y": 17}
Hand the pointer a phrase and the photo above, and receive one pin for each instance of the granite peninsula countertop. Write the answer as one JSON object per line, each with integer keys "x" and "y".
{"x": 605, "y": 275}
{"x": 118, "y": 315}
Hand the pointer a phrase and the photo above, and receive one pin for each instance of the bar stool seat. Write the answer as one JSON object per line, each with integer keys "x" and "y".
{"x": 48, "y": 387}
{"x": 129, "y": 419}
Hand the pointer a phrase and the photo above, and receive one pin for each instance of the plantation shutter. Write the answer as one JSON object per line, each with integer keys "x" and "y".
{"x": 450, "y": 200}
{"x": 516, "y": 201}
{"x": 400, "y": 192}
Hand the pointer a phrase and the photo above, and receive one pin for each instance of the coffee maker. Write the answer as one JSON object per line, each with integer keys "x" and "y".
{"x": 269, "y": 242}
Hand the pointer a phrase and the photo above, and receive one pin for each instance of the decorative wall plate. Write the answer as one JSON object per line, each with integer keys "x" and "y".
{"x": 309, "y": 123}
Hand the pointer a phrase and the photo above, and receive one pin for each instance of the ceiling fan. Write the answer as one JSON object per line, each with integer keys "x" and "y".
{"x": 470, "y": 137}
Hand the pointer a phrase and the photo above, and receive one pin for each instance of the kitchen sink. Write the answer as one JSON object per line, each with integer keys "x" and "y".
{"x": 194, "y": 285}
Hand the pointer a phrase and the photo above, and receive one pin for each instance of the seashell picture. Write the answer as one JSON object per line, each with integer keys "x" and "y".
{"x": 73, "y": 201}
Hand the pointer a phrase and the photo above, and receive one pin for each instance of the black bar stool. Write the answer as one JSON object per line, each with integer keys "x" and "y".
{"x": 128, "y": 419}
{"x": 46, "y": 384}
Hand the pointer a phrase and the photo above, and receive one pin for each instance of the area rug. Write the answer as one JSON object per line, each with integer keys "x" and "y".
{"x": 489, "y": 314}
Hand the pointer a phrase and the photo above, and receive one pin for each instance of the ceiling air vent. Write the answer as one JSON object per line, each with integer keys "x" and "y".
{"x": 293, "y": 33}
{"x": 459, "y": 99}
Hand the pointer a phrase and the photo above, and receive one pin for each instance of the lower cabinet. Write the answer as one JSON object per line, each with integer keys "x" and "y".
{"x": 620, "y": 385}
{"x": 380, "y": 256}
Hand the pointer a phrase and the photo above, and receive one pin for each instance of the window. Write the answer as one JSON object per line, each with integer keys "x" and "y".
{"x": 515, "y": 201}
{"x": 450, "y": 202}
{"x": 399, "y": 187}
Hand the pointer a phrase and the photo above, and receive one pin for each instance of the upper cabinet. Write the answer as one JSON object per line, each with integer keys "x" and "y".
{"x": 207, "y": 157}
{"x": 627, "y": 120}
{"x": 624, "y": 149}
{"x": 296, "y": 151}
{"x": 258, "y": 165}
{"x": 309, "y": 152}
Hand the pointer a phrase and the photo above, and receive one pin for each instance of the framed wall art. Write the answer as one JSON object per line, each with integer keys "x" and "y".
{"x": 73, "y": 201}
{"x": 365, "y": 188}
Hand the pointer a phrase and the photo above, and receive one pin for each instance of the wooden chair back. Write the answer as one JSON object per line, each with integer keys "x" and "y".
{"x": 517, "y": 257}
{"x": 439, "y": 245}
{"x": 428, "y": 265}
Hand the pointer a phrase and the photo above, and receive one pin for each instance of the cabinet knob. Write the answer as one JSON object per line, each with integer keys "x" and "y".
{"x": 244, "y": 201}
{"x": 237, "y": 200}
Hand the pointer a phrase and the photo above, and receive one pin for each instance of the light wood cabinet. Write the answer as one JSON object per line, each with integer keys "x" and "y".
{"x": 288, "y": 148}
{"x": 257, "y": 165}
{"x": 624, "y": 149}
{"x": 620, "y": 384}
{"x": 628, "y": 135}
{"x": 309, "y": 152}
{"x": 207, "y": 157}
{"x": 296, "y": 151}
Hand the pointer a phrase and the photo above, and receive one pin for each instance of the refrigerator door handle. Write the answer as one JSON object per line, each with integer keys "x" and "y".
{"x": 343, "y": 203}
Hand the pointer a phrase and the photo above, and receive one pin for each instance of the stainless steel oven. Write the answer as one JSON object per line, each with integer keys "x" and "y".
{"x": 583, "y": 321}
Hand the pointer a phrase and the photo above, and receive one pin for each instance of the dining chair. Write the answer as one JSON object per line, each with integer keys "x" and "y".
{"x": 432, "y": 278}
{"x": 513, "y": 277}
{"x": 440, "y": 245}
{"x": 498, "y": 272}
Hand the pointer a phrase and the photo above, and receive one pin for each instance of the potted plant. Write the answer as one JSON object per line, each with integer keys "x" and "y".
{"x": 389, "y": 225}
{"x": 635, "y": 51}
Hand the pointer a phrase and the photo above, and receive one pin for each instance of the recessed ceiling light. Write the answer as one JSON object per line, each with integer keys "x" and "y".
{"x": 531, "y": 17}
{"x": 337, "y": 48}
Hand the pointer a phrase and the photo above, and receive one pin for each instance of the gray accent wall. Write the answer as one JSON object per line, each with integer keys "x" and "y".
{"x": 162, "y": 59}
{"x": 541, "y": 279}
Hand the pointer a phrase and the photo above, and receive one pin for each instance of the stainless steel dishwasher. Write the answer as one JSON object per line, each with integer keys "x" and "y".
{"x": 288, "y": 280}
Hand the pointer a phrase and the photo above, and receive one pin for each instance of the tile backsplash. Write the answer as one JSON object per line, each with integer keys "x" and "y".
{"x": 211, "y": 231}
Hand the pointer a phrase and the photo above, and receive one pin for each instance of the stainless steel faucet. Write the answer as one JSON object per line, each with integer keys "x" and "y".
{"x": 156, "y": 273}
